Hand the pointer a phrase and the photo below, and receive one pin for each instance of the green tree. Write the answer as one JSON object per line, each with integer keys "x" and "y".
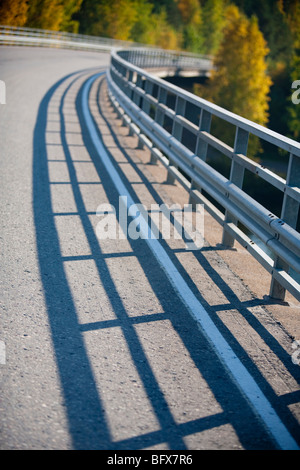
{"x": 108, "y": 18}
{"x": 273, "y": 24}
{"x": 165, "y": 35}
{"x": 191, "y": 19}
{"x": 293, "y": 107}
{"x": 45, "y": 14}
{"x": 213, "y": 25}
{"x": 240, "y": 82}
{"x": 54, "y": 15}
{"x": 142, "y": 30}
{"x": 13, "y": 12}
{"x": 170, "y": 9}
{"x": 71, "y": 7}
{"x": 153, "y": 27}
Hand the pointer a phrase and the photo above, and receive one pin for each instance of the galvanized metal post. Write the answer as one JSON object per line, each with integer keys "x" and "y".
{"x": 201, "y": 147}
{"x": 159, "y": 114}
{"x": 136, "y": 96}
{"x": 236, "y": 177}
{"x": 177, "y": 129}
{"x": 130, "y": 80}
{"x": 179, "y": 111}
{"x": 290, "y": 207}
{"x": 162, "y": 98}
{"x": 289, "y": 214}
{"x": 148, "y": 90}
{"x": 204, "y": 125}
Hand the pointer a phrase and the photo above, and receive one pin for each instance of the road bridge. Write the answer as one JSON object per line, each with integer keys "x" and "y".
{"x": 123, "y": 342}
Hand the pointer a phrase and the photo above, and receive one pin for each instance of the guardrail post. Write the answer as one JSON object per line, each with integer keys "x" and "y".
{"x": 177, "y": 129}
{"x": 236, "y": 177}
{"x": 148, "y": 90}
{"x": 129, "y": 80}
{"x": 159, "y": 114}
{"x": 138, "y": 84}
{"x": 162, "y": 98}
{"x": 179, "y": 110}
{"x": 201, "y": 147}
{"x": 204, "y": 125}
{"x": 290, "y": 207}
{"x": 289, "y": 214}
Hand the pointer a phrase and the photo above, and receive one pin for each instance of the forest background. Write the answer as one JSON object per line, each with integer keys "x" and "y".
{"x": 255, "y": 44}
{"x": 255, "y": 47}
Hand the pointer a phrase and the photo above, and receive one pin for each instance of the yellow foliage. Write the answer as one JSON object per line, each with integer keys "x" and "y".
{"x": 190, "y": 11}
{"x": 163, "y": 35}
{"x": 240, "y": 81}
{"x": 13, "y": 12}
{"x": 118, "y": 17}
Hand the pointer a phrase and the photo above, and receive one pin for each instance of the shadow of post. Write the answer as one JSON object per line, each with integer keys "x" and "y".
{"x": 86, "y": 418}
{"x": 88, "y": 424}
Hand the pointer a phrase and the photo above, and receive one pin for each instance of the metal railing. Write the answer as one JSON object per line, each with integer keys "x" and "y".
{"x": 159, "y": 113}
{"x": 18, "y": 36}
{"x": 149, "y": 56}
{"x": 172, "y": 61}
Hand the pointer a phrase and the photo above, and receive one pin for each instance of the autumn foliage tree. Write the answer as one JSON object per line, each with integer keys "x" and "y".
{"x": 240, "y": 82}
{"x": 191, "y": 18}
{"x": 293, "y": 17}
{"x": 13, "y": 12}
{"x": 113, "y": 18}
{"x": 53, "y": 14}
{"x": 213, "y": 22}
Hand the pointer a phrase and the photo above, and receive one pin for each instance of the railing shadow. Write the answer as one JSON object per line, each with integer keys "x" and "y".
{"x": 280, "y": 403}
{"x": 89, "y": 427}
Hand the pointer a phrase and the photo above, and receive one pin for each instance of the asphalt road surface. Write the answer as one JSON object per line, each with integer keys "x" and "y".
{"x": 110, "y": 340}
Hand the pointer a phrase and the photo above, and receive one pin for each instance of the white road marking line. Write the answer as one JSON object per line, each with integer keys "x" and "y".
{"x": 240, "y": 375}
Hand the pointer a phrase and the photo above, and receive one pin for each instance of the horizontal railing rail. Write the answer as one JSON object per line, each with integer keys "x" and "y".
{"x": 157, "y": 112}
{"x": 148, "y": 58}
{"x": 21, "y": 36}
{"x": 145, "y": 56}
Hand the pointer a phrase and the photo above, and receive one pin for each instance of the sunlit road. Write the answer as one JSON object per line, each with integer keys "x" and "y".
{"x": 105, "y": 348}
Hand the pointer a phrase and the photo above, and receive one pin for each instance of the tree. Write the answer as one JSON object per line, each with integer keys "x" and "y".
{"x": 108, "y": 18}
{"x": 294, "y": 105}
{"x": 190, "y": 11}
{"x": 142, "y": 30}
{"x": 45, "y": 14}
{"x": 71, "y": 7}
{"x": 165, "y": 36}
{"x": 240, "y": 82}
{"x": 54, "y": 15}
{"x": 213, "y": 24}
{"x": 273, "y": 24}
{"x": 13, "y": 12}
{"x": 153, "y": 27}
{"x": 191, "y": 18}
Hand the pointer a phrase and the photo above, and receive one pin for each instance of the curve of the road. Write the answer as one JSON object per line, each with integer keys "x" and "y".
{"x": 101, "y": 349}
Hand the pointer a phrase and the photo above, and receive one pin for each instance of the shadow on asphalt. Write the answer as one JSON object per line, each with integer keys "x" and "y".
{"x": 85, "y": 410}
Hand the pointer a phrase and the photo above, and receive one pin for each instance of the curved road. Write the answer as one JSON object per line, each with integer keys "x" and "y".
{"x": 104, "y": 348}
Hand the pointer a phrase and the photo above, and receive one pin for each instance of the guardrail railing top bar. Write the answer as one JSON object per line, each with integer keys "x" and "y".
{"x": 62, "y": 35}
{"x": 273, "y": 137}
{"x": 131, "y": 89}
